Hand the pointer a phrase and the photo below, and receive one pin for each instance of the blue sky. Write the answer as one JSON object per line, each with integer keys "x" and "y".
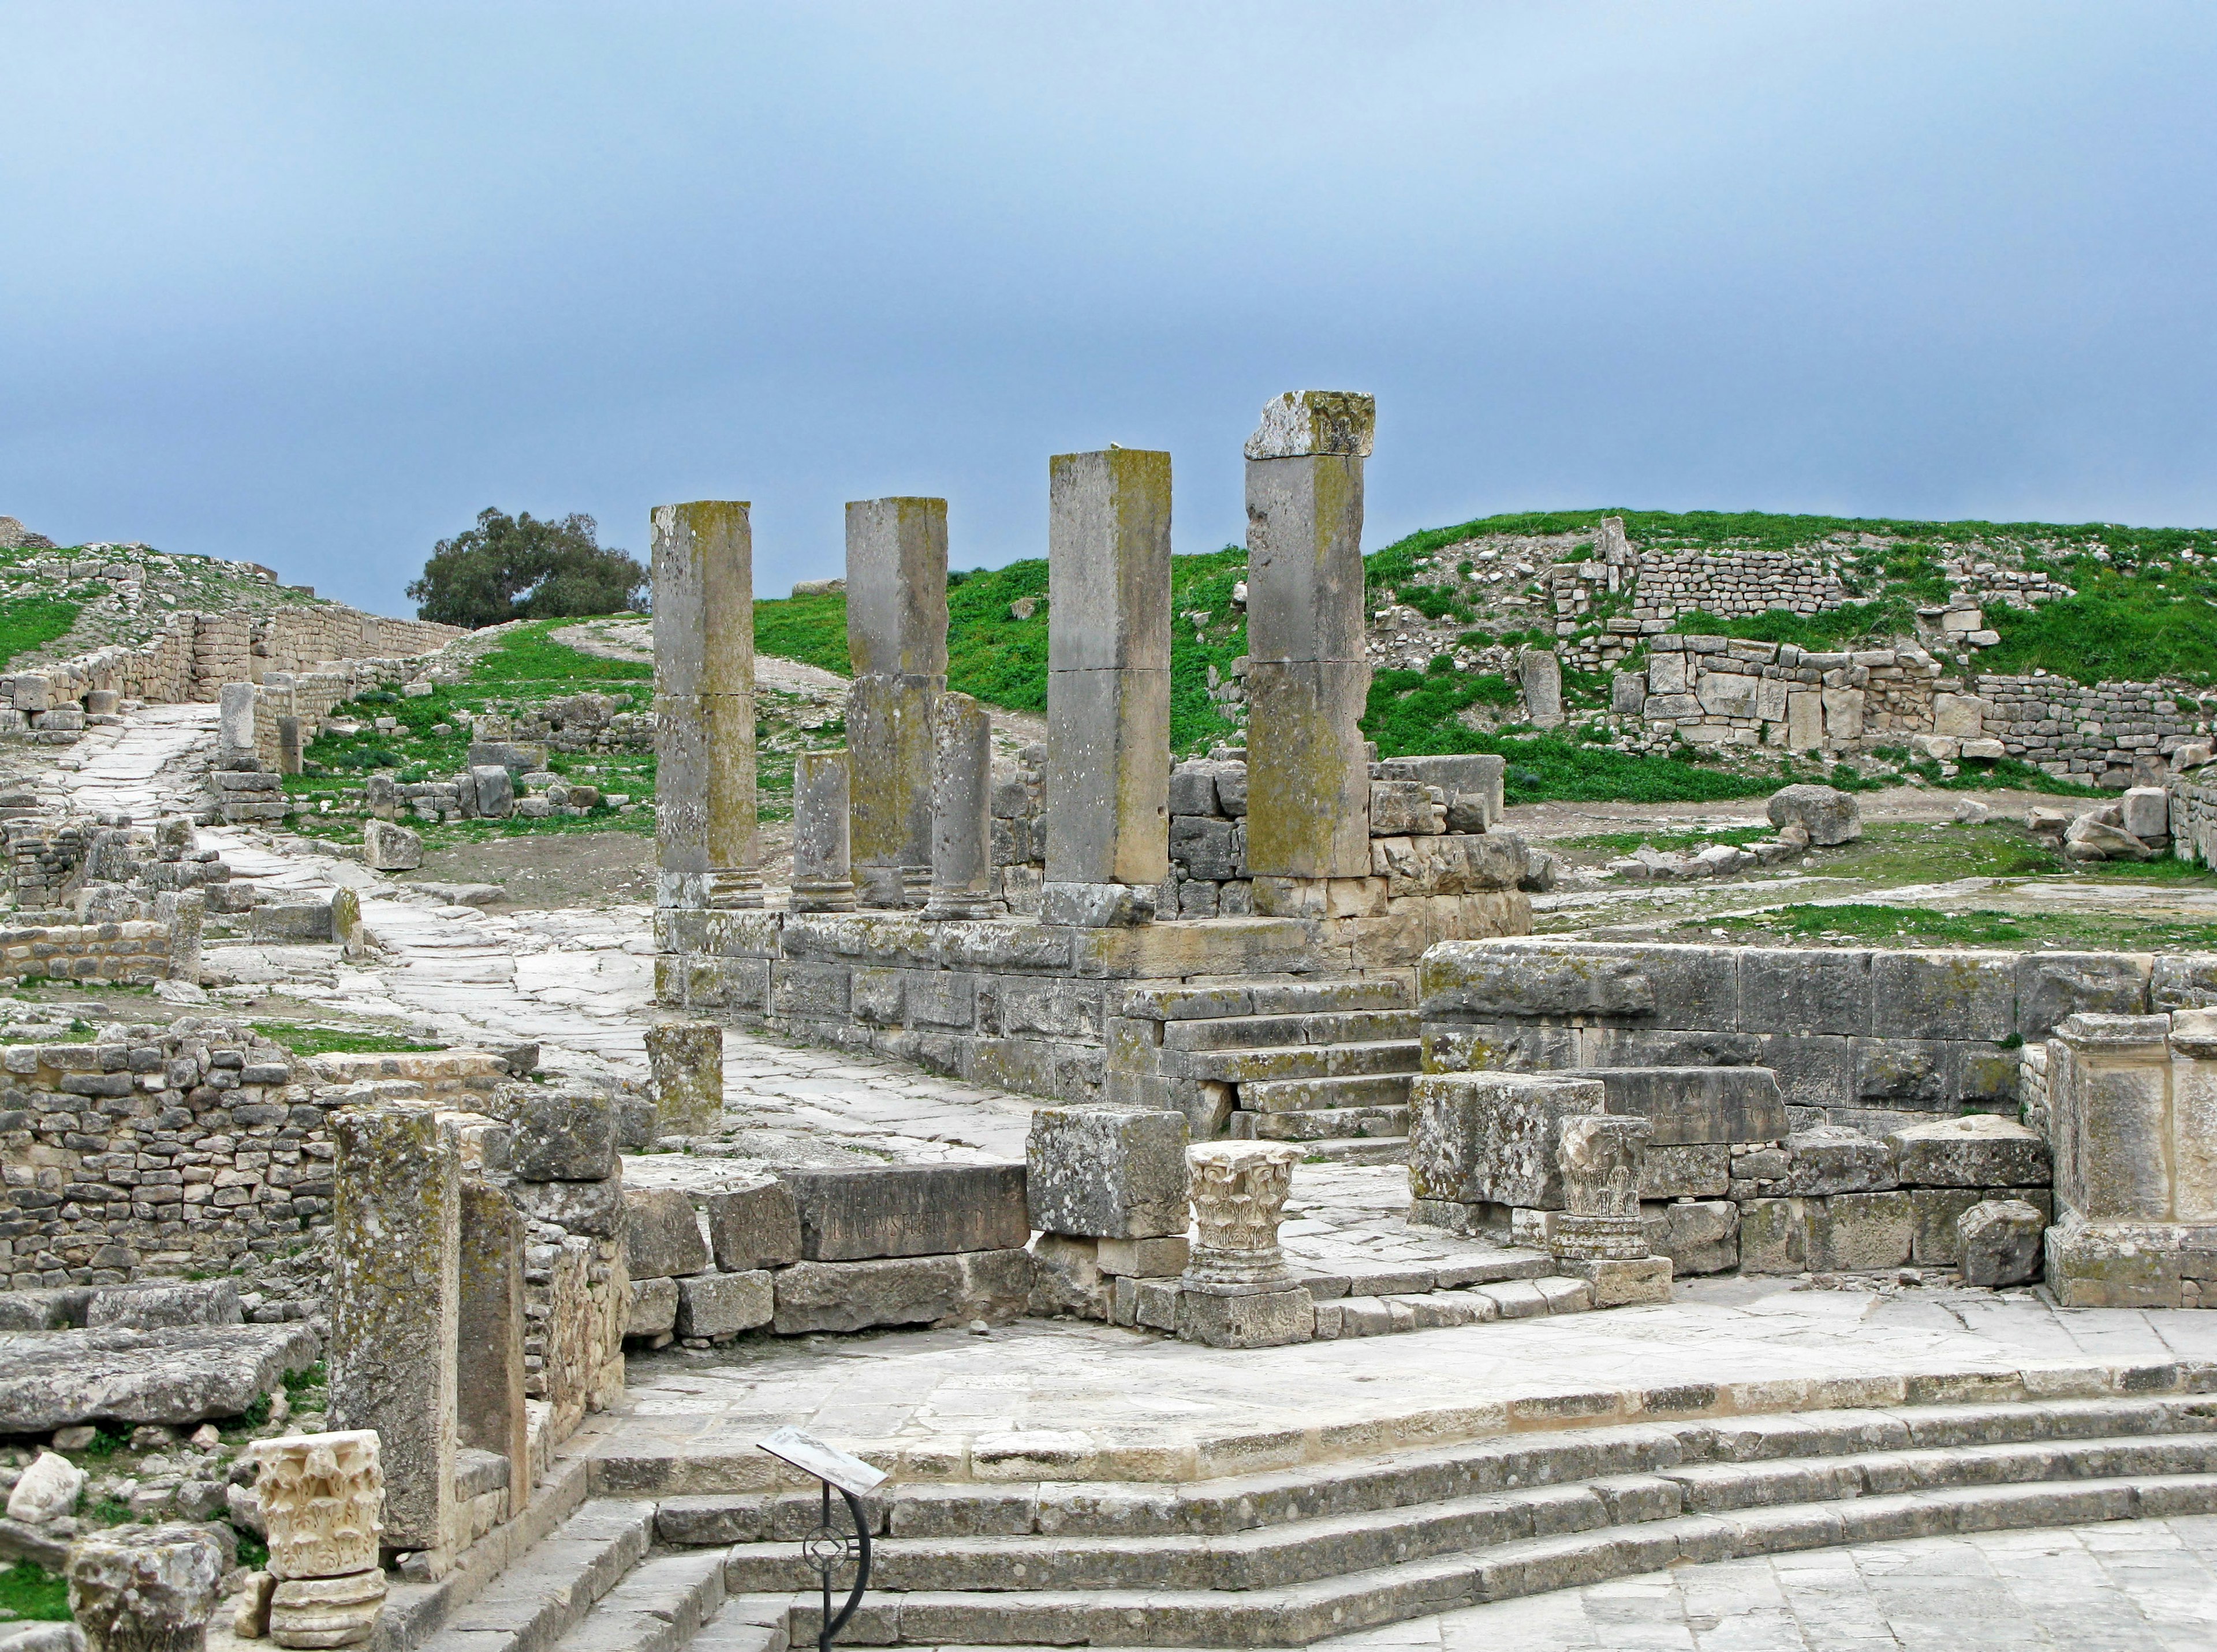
{"x": 312, "y": 284}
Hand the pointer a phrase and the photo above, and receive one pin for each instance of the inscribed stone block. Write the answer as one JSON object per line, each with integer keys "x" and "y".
{"x": 902, "y": 1210}
{"x": 1107, "y": 1173}
{"x": 662, "y": 1235}
{"x": 753, "y": 1227}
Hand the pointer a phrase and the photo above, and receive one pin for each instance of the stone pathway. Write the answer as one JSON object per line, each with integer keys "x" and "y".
{"x": 2123, "y": 1585}
{"x": 577, "y": 981}
{"x": 1093, "y": 1400}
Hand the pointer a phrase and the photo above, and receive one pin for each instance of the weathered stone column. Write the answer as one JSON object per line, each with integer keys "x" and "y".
{"x": 323, "y": 1503}
{"x": 234, "y": 726}
{"x": 823, "y": 865}
{"x": 896, "y": 642}
{"x": 1308, "y": 777}
{"x": 1237, "y": 1291}
{"x": 961, "y": 811}
{"x": 396, "y": 1252}
{"x": 1109, "y": 685}
{"x": 144, "y": 1588}
{"x": 488, "y": 1336}
{"x": 704, "y": 703}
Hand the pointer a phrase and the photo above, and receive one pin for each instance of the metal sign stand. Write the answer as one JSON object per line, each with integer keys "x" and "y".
{"x": 827, "y": 1548}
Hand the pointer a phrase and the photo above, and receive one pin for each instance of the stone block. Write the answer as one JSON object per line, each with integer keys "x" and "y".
{"x": 1961, "y": 717}
{"x": 1910, "y": 1074}
{"x": 1830, "y": 1158}
{"x": 1399, "y": 808}
{"x": 567, "y": 1136}
{"x": 1700, "y": 1170}
{"x": 2109, "y": 1106}
{"x": 588, "y": 1207}
{"x": 1774, "y": 1235}
{"x": 1066, "y": 1277}
{"x": 1107, "y": 1173}
{"x": 1202, "y": 846}
{"x": 662, "y": 1235}
{"x": 1108, "y": 770}
{"x": 490, "y": 1378}
{"x": 896, "y": 587}
{"x": 904, "y": 1211}
{"x": 1109, "y": 561}
{"x": 1669, "y": 674}
{"x": 1494, "y": 1138}
{"x": 1308, "y": 775}
{"x": 2147, "y": 811}
{"x": 1259, "y": 1319}
{"x": 686, "y": 1060}
{"x": 137, "y": 1588}
{"x": 1814, "y": 991}
{"x": 390, "y": 847}
{"x": 153, "y": 1307}
{"x": 1859, "y": 1232}
{"x": 2000, "y": 1241}
{"x": 1144, "y": 1259}
{"x": 1691, "y": 1105}
{"x": 724, "y": 1304}
{"x": 1699, "y": 1236}
{"x": 1305, "y": 422}
{"x": 2052, "y": 986}
{"x": 814, "y": 1296}
{"x": 1624, "y": 1282}
{"x": 753, "y": 1227}
{"x": 494, "y": 790}
{"x": 1805, "y": 720}
{"x": 1627, "y": 694}
{"x": 1485, "y": 981}
{"x": 512, "y": 759}
{"x": 1977, "y": 1150}
{"x": 1540, "y": 678}
{"x": 653, "y": 1307}
{"x": 1944, "y": 995}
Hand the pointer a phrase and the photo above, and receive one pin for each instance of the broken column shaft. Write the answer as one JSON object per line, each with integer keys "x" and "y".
{"x": 961, "y": 811}
{"x": 1308, "y": 786}
{"x": 1109, "y": 685}
{"x": 897, "y": 643}
{"x": 823, "y": 868}
{"x": 704, "y": 703}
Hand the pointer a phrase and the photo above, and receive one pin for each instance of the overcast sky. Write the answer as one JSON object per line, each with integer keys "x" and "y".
{"x": 313, "y": 284}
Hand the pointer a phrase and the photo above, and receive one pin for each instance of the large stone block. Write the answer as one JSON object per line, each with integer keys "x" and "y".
{"x": 1108, "y": 818}
{"x": 135, "y": 1589}
{"x": 1827, "y": 814}
{"x": 1698, "y": 1235}
{"x": 723, "y": 1304}
{"x": 901, "y": 1211}
{"x": 1494, "y": 1138}
{"x": 1690, "y": 1105}
{"x": 1816, "y": 990}
{"x": 387, "y": 847}
{"x": 662, "y": 1235}
{"x": 586, "y": 1207}
{"x": 817, "y": 1296}
{"x": 896, "y": 587}
{"x": 2109, "y": 1089}
{"x": 1999, "y": 1241}
{"x": 1308, "y": 796}
{"x": 687, "y": 1058}
{"x": 2052, "y": 986}
{"x": 568, "y": 1136}
{"x": 753, "y": 1227}
{"x": 1977, "y": 1150}
{"x": 1860, "y": 1232}
{"x": 1478, "y": 778}
{"x": 1702, "y": 1170}
{"x": 1829, "y": 1159}
{"x": 1943, "y": 994}
{"x": 1486, "y": 980}
{"x": 1107, "y": 1173}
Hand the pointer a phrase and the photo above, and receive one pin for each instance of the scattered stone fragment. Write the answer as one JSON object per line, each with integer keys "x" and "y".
{"x": 1830, "y": 816}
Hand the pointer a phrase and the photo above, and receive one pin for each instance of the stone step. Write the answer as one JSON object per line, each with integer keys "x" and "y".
{"x": 1310, "y": 1094}
{"x": 1230, "y": 1505}
{"x": 1297, "y": 1061}
{"x": 1268, "y": 1031}
{"x": 1333, "y": 1123}
{"x": 660, "y": 1606}
{"x": 1298, "y": 1614}
{"x": 1306, "y": 1551}
{"x": 543, "y": 1596}
{"x": 1209, "y": 1001}
{"x": 1374, "y": 1150}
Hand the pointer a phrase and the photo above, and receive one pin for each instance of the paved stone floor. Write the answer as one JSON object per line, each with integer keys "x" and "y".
{"x": 1079, "y": 1401}
{"x": 2124, "y": 1585}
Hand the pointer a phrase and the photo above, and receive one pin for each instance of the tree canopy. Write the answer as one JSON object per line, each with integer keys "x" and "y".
{"x": 521, "y": 568}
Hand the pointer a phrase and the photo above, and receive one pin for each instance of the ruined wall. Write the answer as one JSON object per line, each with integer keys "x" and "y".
{"x": 1732, "y": 582}
{"x": 137, "y": 952}
{"x": 243, "y": 647}
{"x": 2069, "y": 729}
{"x": 1867, "y": 1038}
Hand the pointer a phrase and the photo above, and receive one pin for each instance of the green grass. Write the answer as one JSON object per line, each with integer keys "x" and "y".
{"x": 527, "y": 654}
{"x": 29, "y": 623}
{"x": 34, "y": 1594}
{"x": 1901, "y": 852}
{"x": 334, "y": 1041}
{"x": 812, "y": 629}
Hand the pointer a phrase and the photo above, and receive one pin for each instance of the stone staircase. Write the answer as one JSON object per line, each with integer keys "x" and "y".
{"x": 1326, "y": 1063}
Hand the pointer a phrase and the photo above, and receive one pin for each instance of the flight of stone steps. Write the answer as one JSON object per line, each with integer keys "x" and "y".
{"x": 1325, "y": 1064}
{"x": 1289, "y": 1558}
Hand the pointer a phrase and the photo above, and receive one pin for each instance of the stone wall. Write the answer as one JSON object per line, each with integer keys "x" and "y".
{"x": 1731, "y": 583}
{"x": 1713, "y": 691}
{"x": 132, "y": 953}
{"x": 1866, "y": 1039}
{"x": 242, "y": 647}
{"x": 2101, "y": 734}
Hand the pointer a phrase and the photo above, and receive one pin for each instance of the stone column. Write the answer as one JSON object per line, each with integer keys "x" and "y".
{"x": 234, "y": 726}
{"x": 897, "y": 641}
{"x": 1308, "y": 777}
{"x": 1540, "y": 675}
{"x": 704, "y": 703}
{"x": 396, "y": 1252}
{"x": 822, "y": 866}
{"x": 488, "y": 1336}
{"x": 1109, "y": 685}
{"x": 1235, "y": 1291}
{"x": 323, "y": 1504}
{"x": 144, "y": 1588}
{"x": 289, "y": 745}
{"x": 961, "y": 811}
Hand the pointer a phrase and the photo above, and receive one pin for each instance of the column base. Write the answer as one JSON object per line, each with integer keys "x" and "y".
{"x": 1624, "y": 1283}
{"x": 962, "y": 908}
{"x": 734, "y": 890}
{"x": 1252, "y": 1319}
{"x": 1096, "y": 906}
{"x": 829, "y": 895}
{"x": 685, "y": 891}
{"x": 892, "y": 889}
